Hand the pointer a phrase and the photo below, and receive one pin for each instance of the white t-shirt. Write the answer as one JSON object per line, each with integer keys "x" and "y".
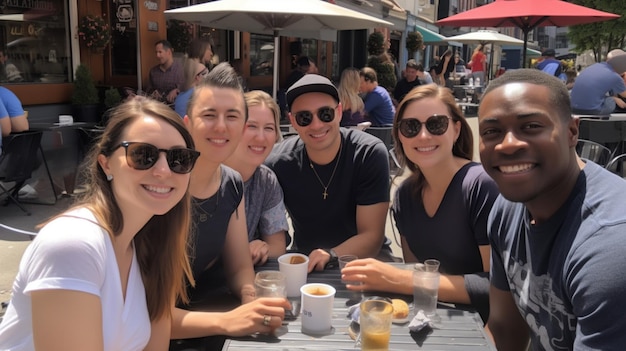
{"x": 74, "y": 253}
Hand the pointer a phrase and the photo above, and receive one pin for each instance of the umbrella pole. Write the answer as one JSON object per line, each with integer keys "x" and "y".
{"x": 490, "y": 69}
{"x": 275, "y": 65}
{"x": 525, "y": 47}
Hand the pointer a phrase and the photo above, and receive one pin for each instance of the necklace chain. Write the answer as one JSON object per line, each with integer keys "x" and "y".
{"x": 325, "y": 193}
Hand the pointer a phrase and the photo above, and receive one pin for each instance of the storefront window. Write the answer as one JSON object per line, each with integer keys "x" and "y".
{"x": 124, "y": 38}
{"x": 261, "y": 55}
{"x": 34, "y": 41}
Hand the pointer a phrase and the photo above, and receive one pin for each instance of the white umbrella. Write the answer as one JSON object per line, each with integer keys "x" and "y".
{"x": 485, "y": 37}
{"x": 296, "y": 18}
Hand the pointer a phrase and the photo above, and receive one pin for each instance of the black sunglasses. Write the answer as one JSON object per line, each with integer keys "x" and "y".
{"x": 435, "y": 125}
{"x": 325, "y": 114}
{"x": 142, "y": 156}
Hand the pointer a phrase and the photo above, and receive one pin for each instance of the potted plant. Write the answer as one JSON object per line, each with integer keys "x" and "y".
{"x": 94, "y": 32}
{"x": 414, "y": 42}
{"x": 85, "y": 98}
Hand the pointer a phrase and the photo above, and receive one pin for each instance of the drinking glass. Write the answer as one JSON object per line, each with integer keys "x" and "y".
{"x": 270, "y": 284}
{"x": 375, "y": 323}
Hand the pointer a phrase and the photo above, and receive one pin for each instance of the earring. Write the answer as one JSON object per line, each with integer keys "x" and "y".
{"x": 109, "y": 177}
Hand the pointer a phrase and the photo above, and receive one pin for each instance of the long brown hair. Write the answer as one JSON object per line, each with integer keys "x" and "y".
{"x": 161, "y": 245}
{"x": 464, "y": 145}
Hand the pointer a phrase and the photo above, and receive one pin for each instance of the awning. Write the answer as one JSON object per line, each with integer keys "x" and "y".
{"x": 433, "y": 38}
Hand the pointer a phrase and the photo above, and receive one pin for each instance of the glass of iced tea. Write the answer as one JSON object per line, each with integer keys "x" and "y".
{"x": 375, "y": 320}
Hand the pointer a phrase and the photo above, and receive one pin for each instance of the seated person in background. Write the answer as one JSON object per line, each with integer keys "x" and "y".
{"x": 303, "y": 64}
{"x": 194, "y": 72}
{"x": 378, "y": 104}
{"x": 409, "y": 81}
{"x": 598, "y": 87}
{"x": 549, "y": 64}
{"x": 441, "y": 209}
{"x": 424, "y": 77}
{"x": 557, "y": 231}
{"x": 166, "y": 78}
{"x": 12, "y": 116}
{"x": 9, "y": 71}
{"x": 221, "y": 264}
{"x": 335, "y": 180}
{"x": 265, "y": 210}
{"x": 202, "y": 50}
{"x": 351, "y": 102}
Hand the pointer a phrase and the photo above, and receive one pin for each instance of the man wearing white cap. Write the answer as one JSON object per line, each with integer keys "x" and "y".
{"x": 335, "y": 180}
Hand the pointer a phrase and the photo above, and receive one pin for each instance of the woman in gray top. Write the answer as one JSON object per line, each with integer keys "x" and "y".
{"x": 441, "y": 209}
{"x": 265, "y": 209}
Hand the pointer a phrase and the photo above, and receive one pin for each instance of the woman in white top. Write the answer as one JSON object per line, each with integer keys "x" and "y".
{"x": 104, "y": 274}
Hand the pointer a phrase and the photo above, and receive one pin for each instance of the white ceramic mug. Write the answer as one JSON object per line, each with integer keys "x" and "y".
{"x": 66, "y": 119}
{"x": 317, "y": 308}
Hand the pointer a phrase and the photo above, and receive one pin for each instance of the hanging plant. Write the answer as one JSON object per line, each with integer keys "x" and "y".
{"x": 414, "y": 42}
{"x": 94, "y": 32}
{"x": 179, "y": 34}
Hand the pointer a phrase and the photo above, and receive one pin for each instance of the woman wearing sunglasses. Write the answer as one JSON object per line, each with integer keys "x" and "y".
{"x": 441, "y": 209}
{"x": 265, "y": 210}
{"x": 103, "y": 275}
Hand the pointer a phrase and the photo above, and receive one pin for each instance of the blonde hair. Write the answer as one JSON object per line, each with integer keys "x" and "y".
{"x": 261, "y": 98}
{"x": 190, "y": 71}
{"x": 348, "y": 90}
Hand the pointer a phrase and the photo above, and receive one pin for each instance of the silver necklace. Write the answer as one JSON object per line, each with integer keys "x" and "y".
{"x": 325, "y": 192}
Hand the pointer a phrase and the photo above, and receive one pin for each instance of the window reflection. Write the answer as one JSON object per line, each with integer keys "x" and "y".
{"x": 34, "y": 41}
{"x": 261, "y": 55}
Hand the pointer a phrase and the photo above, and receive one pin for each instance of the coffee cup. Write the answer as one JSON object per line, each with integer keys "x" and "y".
{"x": 65, "y": 119}
{"x": 295, "y": 267}
{"x": 317, "y": 308}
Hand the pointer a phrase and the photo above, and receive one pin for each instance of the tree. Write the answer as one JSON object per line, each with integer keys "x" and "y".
{"x": 600, "y": 37}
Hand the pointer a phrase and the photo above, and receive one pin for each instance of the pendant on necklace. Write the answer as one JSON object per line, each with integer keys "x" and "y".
{"x": 325, "y": 194}
{"x": 203, "y": 217}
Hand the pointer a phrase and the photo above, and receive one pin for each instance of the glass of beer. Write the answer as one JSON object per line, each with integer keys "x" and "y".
{"x": 375, "y": 320}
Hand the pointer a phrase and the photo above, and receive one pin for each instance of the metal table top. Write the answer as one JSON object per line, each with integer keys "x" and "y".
{"x": 455, "y": 329}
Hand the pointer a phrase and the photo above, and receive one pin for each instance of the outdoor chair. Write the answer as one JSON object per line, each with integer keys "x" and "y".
{"x": 618, "y": 165}
{"x": 18, "y": 161}
{"x": 593, "y": 151}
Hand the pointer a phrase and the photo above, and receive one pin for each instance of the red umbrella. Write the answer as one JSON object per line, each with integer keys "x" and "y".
{"x": 526, "y": 15}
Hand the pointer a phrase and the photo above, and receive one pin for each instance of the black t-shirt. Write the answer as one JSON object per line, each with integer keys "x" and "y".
{"x": 361, "y": 178}
{"x": 403, "y": 87}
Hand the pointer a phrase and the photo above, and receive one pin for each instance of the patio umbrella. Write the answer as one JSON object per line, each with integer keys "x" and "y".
{"x": 526, "y": 15}
{"x": 485, "y": 37}
{"x": 295, "y": 18}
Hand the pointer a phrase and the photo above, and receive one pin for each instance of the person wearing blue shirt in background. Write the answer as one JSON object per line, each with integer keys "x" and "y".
{"x": 12, "y": 115}
{"x": 378, "y": 104}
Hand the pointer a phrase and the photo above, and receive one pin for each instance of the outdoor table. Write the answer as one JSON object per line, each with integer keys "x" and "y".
{"x": 89, "y": 128}
{"x": 457, "y": 328}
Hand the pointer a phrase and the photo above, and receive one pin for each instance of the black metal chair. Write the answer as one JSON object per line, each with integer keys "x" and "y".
{"x": 618, "y": 165}
{"x": 593, "y": 151}
{"x": 17, "y": 163}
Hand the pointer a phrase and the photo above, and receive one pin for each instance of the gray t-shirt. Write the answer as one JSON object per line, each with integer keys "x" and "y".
{"x": 566, "y": 274}
{"x": 265, "y": 209}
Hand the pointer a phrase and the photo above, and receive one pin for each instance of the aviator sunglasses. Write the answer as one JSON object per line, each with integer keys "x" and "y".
{"x": 142, "y": 156}
{"x": 435, "y": 125}
{"x": 325, "y": 114}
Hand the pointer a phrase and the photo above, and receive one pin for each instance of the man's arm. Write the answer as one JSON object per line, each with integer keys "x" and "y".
{"x": 370, "y": 221}
{"x": 509, "y": 330}
{"x": 5, "y": 125}
{"x": 19, "y": 123}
